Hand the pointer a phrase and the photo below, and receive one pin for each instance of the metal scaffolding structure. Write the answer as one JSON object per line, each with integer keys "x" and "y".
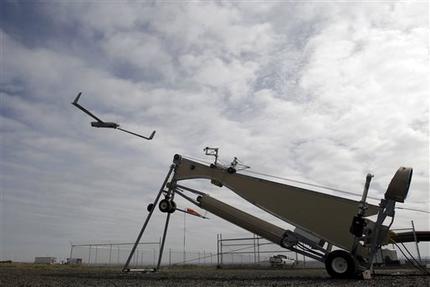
{"x": 254, "y": 250}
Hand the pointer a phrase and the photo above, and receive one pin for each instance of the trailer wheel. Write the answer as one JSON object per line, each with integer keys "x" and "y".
{"x": 340, "y": 264}
{"x": 164, "y": 205}
{"x": 150, "y": 207}
{"x": 172, "y": 207}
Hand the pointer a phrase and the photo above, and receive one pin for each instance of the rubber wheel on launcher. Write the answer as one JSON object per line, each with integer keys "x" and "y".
{"x": 340, "y": 264}
{"x": 172, "y": 207}
{"x": 164, "y": 205}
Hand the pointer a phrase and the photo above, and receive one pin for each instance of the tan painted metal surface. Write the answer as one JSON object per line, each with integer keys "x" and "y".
{"x": 326, "y": 216}
{"x": 242, "y": 219}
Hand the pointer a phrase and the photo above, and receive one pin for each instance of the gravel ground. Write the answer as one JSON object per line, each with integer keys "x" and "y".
{"x": 31, "y": 275}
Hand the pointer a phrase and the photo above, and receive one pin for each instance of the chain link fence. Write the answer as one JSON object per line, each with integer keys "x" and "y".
{"x": 230, "y": 252}
{"x": 146, "y": 255}
{"x": 114, "y": 253}
{"x": 254, "y": 250}
{"x": 241, "y": 251}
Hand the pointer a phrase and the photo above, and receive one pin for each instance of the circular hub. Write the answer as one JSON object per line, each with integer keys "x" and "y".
{"x": 167, "y": 205}
{"x": 164, "y": 205}
{"x": 172, "y": 207}
{"x": 339, "y": 265}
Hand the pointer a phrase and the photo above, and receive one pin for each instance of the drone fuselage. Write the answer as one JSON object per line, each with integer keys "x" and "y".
{"x": 104, "y": 125}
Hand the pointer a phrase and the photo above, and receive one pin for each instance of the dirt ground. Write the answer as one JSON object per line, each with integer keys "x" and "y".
{"x": 60, "y": 275}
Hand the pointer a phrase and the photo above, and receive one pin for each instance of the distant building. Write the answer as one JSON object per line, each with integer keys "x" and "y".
{"x": 45, "y": 260}
{"x": 74, "y": 261}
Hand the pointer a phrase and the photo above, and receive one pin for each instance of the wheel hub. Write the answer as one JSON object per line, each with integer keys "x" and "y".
{"x": 339, "y": 265}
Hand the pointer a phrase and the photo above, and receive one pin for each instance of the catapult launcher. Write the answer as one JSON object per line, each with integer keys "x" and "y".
{"x": 328, "y": 228}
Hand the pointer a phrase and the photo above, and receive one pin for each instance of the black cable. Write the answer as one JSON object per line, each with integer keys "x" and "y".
{"x": 391, "y": 222}
{"x": 407, "y": 258}
{"x": 418, "y": 265}
{"x": 286, "y": 179}
{"x": 309, "y": 184}
{"x": 380, "y": 245}
{"x": 413, "y": 209}
{"x": 306, "y": 183}
{"x": 413, "y": 258}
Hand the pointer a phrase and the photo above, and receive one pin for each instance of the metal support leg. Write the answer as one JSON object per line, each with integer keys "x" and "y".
{"x": 386, "y": 209}
{"x": 125, "y": 268}
{"x": 358, "y": 224}
{"x": 171, "y": 194}
{"x": 163, "y": 241}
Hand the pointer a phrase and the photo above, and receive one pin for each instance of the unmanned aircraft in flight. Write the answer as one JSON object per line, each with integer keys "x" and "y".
{"x": 101, "y": 124}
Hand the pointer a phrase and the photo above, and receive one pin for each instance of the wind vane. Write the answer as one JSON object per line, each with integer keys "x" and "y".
{"x": 101, "y": 124}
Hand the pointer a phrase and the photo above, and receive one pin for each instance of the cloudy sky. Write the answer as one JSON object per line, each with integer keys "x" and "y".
{"x": 323, "y": 92}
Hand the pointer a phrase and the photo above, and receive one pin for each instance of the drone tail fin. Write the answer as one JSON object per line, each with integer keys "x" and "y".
{"x": 75, "y": 102}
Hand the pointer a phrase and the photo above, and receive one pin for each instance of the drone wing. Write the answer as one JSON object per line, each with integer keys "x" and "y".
{"x": 147, "y": 138}
{"x": 75, "y": 103}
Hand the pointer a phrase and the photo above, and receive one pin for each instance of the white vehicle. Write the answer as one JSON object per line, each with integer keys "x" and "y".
{"x": 281, "y": 261}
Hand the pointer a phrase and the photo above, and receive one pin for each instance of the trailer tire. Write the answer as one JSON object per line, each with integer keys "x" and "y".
{"x": 150, "y": 207}
{"x": 172, "y": 206}
{"x": 164, "y": 205}
{"x": 340, "y": 264}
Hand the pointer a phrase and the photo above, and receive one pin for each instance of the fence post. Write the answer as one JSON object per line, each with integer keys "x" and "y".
{"x": 110, "y": 254}
{"x": 220, "y": 247}
{"x": 95, "y": 260}
{"x": 258, "y": 249}
{"x": 255, "y": 251}
{"x": 117, "y": 256}
{"x": 416, "y": 242}
{"x": 89, "y": 255}
{"x": 217, "y": 250}
{"x": 71, "y": 253}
